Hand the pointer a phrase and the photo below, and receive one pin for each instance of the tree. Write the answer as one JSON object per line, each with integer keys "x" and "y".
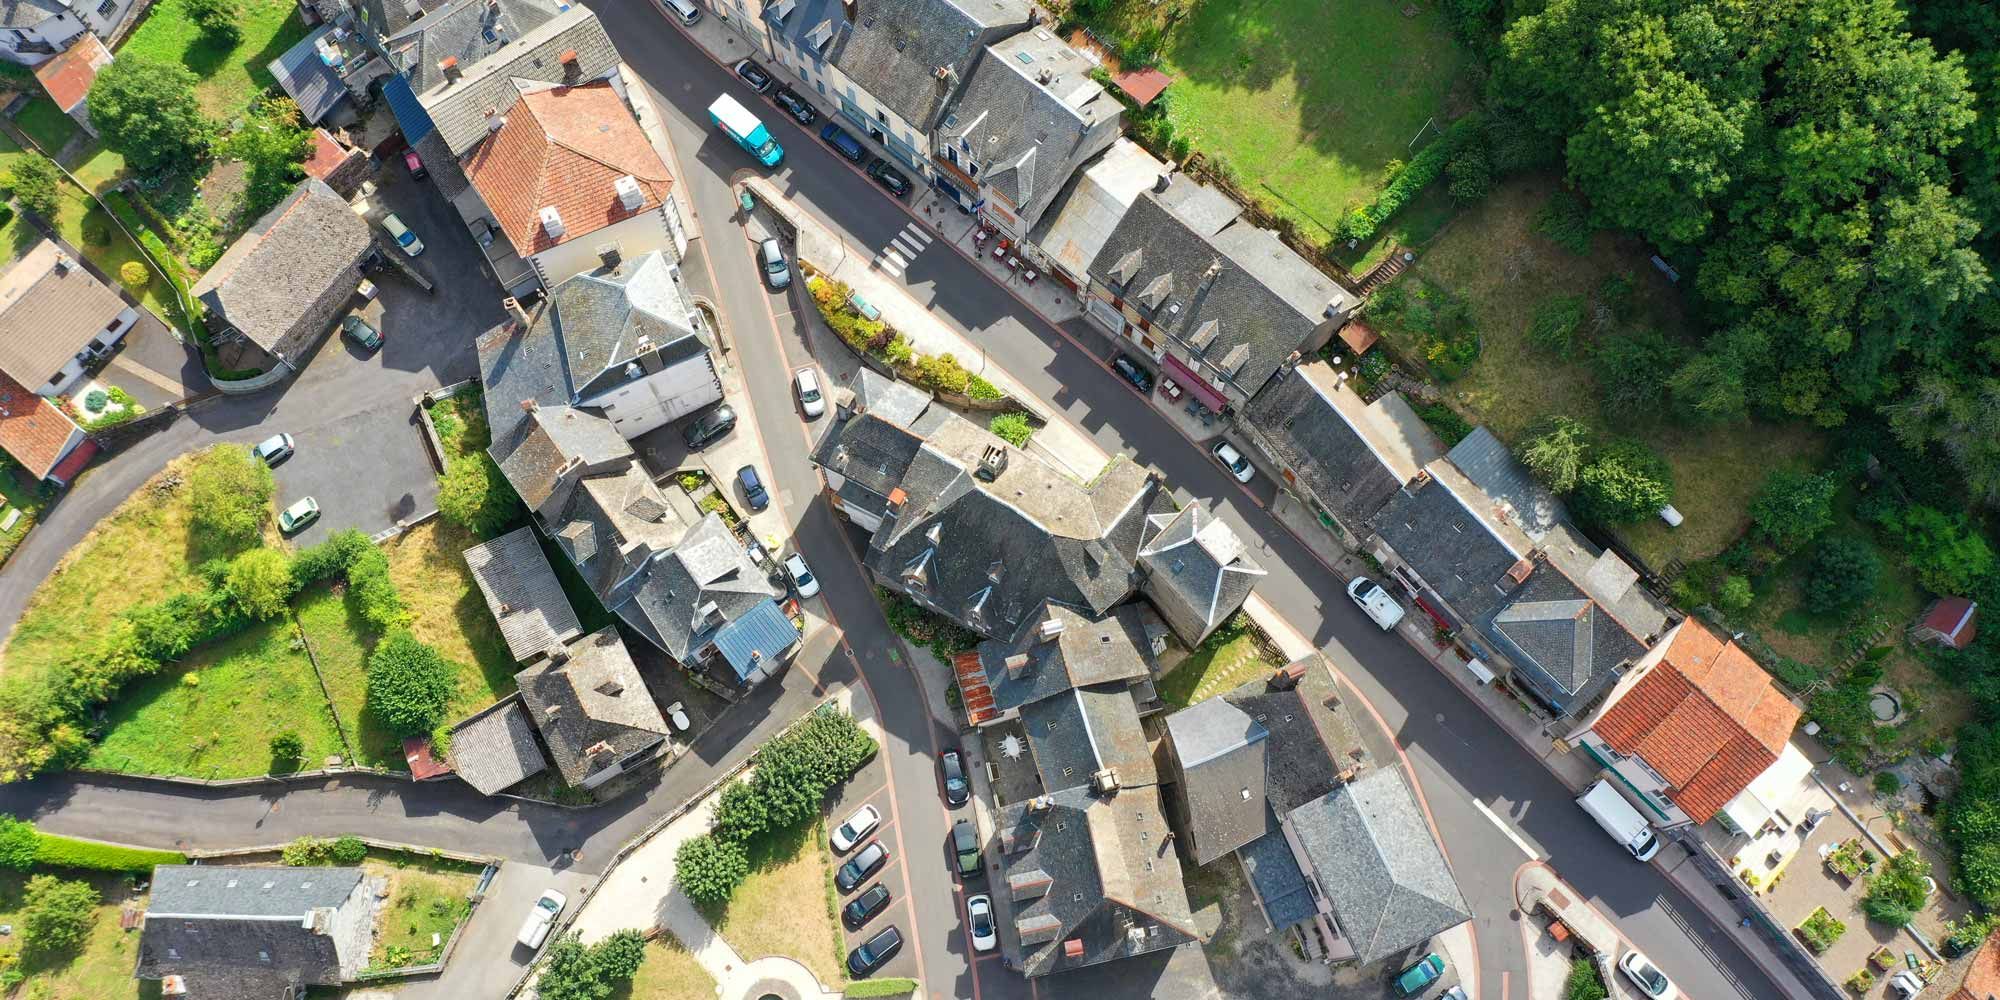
{"x": 57, "y": 914}
{"x": 229, "y": 491}
{"x": 272, "y": 143}
{"x": 19, "y": 843}
{"x": 708, "y": 868}
{"x": 36, "y": 184}
{"x": 1793, "y": 507}
{"x": 1556, "y": 455}
{"x": 1632, "y": 370}
{"x": 215, "y": 18}
{"x": 1470, "y": 173}
{"x": 146, "y": 110}
{"x": 741, "y": 813}
{"x": 1735, "y": 594}
{"x": 575, "y": 971}
{"x": 1841, "y": 575}
{"x": 133, "y": 275}
{"x": 1948, "y": 555}
{"x": 287, "y": 751}
{"x": 1627, "y": 482}
{"x": 1898, "y": 891}
{"x": 475, "y": 496}
{"x": 260, "y": 580}
{"x": 409, "y": 684}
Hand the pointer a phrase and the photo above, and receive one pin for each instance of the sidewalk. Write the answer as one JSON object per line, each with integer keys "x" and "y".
{"x": 1536, "y": 886}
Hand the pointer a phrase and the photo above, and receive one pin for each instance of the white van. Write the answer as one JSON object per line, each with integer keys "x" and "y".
{"x": 1619, "y": 819}
{"x": 686, "y": 11}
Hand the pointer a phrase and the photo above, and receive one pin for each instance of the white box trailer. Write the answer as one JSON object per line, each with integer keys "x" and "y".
{"x": 1619, "y": 819}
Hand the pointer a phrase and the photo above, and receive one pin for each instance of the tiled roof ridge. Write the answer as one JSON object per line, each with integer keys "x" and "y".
{"x": 554, "y": 140}
{"x": 1541, "y": 556}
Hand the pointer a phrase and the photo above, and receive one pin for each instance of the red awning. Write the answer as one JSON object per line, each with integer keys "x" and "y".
{"x": 1202, "y": 391}
{"x": 1142, "y": 85}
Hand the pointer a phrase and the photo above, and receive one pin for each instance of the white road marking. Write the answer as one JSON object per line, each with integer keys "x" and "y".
{"x": 896, "y": 258}
{"x": 1520, "y": 841}
{"x": 906, "y": 248}
{"x": 916, "y": 233}
{"x": 884, "y": 264}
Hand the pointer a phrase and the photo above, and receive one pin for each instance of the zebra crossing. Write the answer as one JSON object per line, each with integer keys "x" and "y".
{"x": 902, "y": 249}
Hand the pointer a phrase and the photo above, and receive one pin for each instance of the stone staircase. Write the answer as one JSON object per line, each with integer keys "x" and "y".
{"x": 1379, "y": 275}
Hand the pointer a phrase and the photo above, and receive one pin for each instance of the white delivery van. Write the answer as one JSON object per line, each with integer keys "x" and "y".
{"x": 1619, "y": 819}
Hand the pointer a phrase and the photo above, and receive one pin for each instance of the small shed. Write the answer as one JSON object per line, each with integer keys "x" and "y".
{"x": 1950, "y": 622}
{"x": 1358, "y": 337}
{"x": 68, "y": 77}
{"x": 1142, "y": 85}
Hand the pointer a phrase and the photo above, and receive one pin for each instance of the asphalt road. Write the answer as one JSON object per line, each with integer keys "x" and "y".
{"x": 1462, "y": 759}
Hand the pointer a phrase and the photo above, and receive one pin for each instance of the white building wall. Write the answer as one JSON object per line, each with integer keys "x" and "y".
{"x": 30, "y": 46}
{"x": 658, "y": 399}
{"x": 634, "y": 237}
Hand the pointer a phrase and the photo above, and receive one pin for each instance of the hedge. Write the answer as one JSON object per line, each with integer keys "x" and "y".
{"x": 881, "y": 988}
{"x": 68, "y": 852}
{"x": 1361, "y": 223}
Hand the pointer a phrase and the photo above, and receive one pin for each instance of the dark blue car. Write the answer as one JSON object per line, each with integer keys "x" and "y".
{"x": 837, "y": 137}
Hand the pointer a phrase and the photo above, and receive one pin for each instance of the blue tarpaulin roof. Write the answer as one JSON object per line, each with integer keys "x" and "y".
{"x": 757, "y": 639}
{"x": 410, "y": 115}
{"x": 312, "y": 84}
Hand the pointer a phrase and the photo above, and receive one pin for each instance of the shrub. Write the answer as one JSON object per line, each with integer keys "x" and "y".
{"x": 1584, "y": 983}
{"x": 890, "y": 987}
{"x": 1554, "y": 327}
{"x": 216, "y": 18}
{"x": 56, "y": 915}
{"x": 1470, "y": 173}
{"x": 1821, "y": 930}
{"x": 329, "y": 558}
{"x": 709, "y": 868}
{"x": 409, "y": 684}
{"x": 1897, "y": 890}
{"x": 374, "y": 593}
{"x": 979, "y": 388}
{"x": 36, "y": 184}
{"x": 1012, "y": 428}
{"x": 1627, "y": 482}
{"x": 1948, "y": 555}
{"x": 133, "y": 275}
{"x": 260, "y": 580}
{"x": 349, "y": 851}
{"x": 1443, "y": 420}
{"x": 1565, "y": 221}
{"x": 68, "y": 852}
{"x": 19, "y": 843}
{"x": 1557, "y": 454}
{"x": 1632, "y": 370}
{"x": 941, "y": 373}
{"x": 229, "y": 492}
{"x": 1841, "y": 575}
{"x": 1362, "y": 222}
{"x": 1735, "y": 594}
{"x": 1887, "y": 783}
{"x": 741, "y": 814}
{"x": 307, "y": 852}
{"x": 288, "y": 751}
{"x": 475, "y": 496}
{"x": 576, "y": 971}
{"x": 1793, "y": 507}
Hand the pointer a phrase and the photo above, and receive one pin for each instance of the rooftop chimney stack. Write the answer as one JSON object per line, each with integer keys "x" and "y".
{"x": 449, "y": 67}
{"x": 572, "y": 66}
{"x": 1049, "y": 629}
{"x": 494, "y": 120}
{"x": 1017, "y": 666}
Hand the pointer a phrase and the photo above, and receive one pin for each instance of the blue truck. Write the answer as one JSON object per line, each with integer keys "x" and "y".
{"x": 745, "y": 130}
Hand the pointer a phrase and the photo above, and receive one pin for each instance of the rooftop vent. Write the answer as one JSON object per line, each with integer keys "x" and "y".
{"x": 630, "y": 195}
{"x": 551, "y": 221}
{"x": 494, "y": 119}
{"x": 1287, "y": 677}
{"x": 992, "y": 462}
{"x": 612, "y": 687}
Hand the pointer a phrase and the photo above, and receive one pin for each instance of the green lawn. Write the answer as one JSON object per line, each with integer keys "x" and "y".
{"x": 781, "y": 908}
{"x": 101, "y": 969}
{"x": 428, "y": 568}
{"x": 1216, "y": 667}
{"x": 341, "y": 641}
{"x": 426, "y": 897}
{"x": 668, "y": 973}
{"x": 1307, "y": 100}
{"x": 251, "y": 687}
{"x": 80, "y": 214}
{"x": 230, "y": 76}
{"x": 97, "y": 167}
{"x": 19, "y": 495}
{"x": 46, "y": 124}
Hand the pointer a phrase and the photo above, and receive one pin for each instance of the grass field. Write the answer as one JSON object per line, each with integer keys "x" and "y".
{"x": 425, "y": 897}
{"x": 251, "y": 687}
{"x": 46, "y": 124}
{"x": 229, "y": 76}
{"x": 1215, "y": 668}
{"x": 19, "y": 495}
{"x": 80, "y": 213}
{"x": 101, "y": 969}
{"x": 429, "y": 571}
{"x": 781, "y": 910}
{"x": 669, "y": 973}
{"x": 341, "y": 642}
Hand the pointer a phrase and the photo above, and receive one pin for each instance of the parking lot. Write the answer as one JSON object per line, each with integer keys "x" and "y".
{"x": 870, "y": 787}
{"x": 488, "y": 959}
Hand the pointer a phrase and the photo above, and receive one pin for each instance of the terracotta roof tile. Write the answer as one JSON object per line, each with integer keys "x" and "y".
{"x": 1982, "y": 979}
{"x": 68, "y": 76}
{"x": 326, "y": 155}
{"x": 31, "y": 428}
{"x": 565, "y": 147}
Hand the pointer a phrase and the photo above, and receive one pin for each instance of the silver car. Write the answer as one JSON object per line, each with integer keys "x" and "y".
{"x": 274, "y": 449}
{"x": 805, "y": 382}
{"x": 802, "y": 578}
{"x": 771, "y": 260}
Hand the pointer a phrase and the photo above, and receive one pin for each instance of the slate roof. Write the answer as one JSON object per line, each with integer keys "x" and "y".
{"x": 543, "y": 454}
{"x": 593, "y": 701}
{"x": 565, "y": 148}
{"x": 467, "y": 30}
{"x": 1275, "y": 877}
{"x": 522, "y": 593}
{"x": 1196, "y": 570}
{"x": 1075, "y": 225}
{"x": 50, "y": 308}
{"x": 1032, "y": 115}
{"x": 708, "y": 565}
{"x": 458, "y": 108}
{"x": 893, "y": 400}
{"x": 1222, "y": 755}
{"x": 894, "y": 48}
{"x": 1306, "y": 423}
{"x": 1570, "y": 648}
{"x": 28, "y": 13}
{"x": 602, "y": 316}
{"x": 391, "y": 16}
{"x": 68, "y": 75}
{"x": 1087, "y": 729}
{"x": 1435, "y": 526}
{"x": 871, "y": 453}
{"x": 1264, "y": 297}
{"x": 1706, "y": 717}
{"x": 307, "y": 79}
{"x": 221, "y": 928}
{"x": 1377, "y": 864}
{"x": 1488, "y": 463}
{"x": 1085, "y": 652}
{"x": 1113, "y": 879}
{"x": 32, "y": 430}
{"x": 495, "y": 748}
{"x": 267, "y": 284}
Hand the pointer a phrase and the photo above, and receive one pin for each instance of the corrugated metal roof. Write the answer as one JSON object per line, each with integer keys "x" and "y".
{"x": 756, "y": 639}
{"x": 308, "y": 79}
{"x": 410, "y": 114}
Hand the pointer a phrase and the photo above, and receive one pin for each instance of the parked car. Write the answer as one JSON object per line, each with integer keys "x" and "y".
{"x": 360, "y": 331}
{"x": 864, "y": 907}
{"x": 1376, "y": 602}
{"x": 1233, "y": 460}
{"x": 847, "y": 145}
{"x": 1419, "y": 977}
{"x": 889, "y": 177}
{"x": 541, "y": 917}
{"x": 1650, "y": 980}
{"x": 753, "y": 488}
{"x": 1130, "y": 371}
{"x": 274, "y": 449}
{"x": 685, "y": 10}
{"x": 402, "y": 235}
{"x": 965, "y": 847}
{"x": 952, "y": 766}
{"x": 802, "y": 575}
{"x": 979, "y": 914}
{"x": 868, "y": 957}
{"x": 298, "y": 515}
{"x": 859, "y": 825}
{"x": 805, "y": 382}
{"x": 756, "y": 76}
{"x": 709, "y": 428}
{"x": 864, "y": 863}
{"x": 796, "y": 106}
{"x": 415, "y": 164}
{"x": 771, "y": 260}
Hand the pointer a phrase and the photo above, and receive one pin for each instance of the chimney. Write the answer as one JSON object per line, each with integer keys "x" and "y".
{"x": 612, "y": 687}
{"x": 63, "y": 263}
{"x": 530, "y": 406}
{"x": 1017, "y": 666}
{"x": 1073, "y": 948}
{"x": 1160, "y": 185}
{"x": 494, "y": 120}
{"x": 601, "y": 746}
{"x": 1049, "y": 629}
{"x": 609, "y": 256}
{"x": 551, "y": 221}
{"x": 1040, "y": 803}
{"x": 449, "y": 67}
{"x": 1105, "y": 781}
{"x": 513, "y": 307}
{"x": 1520, "y": 571}
{"x": 1287, "y": 677}
{"x": 558, "y": 655}
{"x": 630, "y": 195}
{"x": 572, "y": 66}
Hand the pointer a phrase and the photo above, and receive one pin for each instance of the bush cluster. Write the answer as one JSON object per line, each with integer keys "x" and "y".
{"x": 309, "y": 852}
{"x": 576, "y": 971}
{"x": 943, "y": 637}
{"x": 936, "y": 372}
{"x": 23, "y": 847}
{"x": 229, "y": 492}
{"x": 1012, "y": 428}
{"x": 56, "y": 915}
{"x": 1362, "y": 222}
{"x": 475, "y": 496}
{"x": 410, "y": 684}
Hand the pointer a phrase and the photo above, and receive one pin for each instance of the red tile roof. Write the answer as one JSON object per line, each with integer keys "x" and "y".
{"x": 31, "y": 428}
{"x": 80, "y": 456}
{"x": 565, "y": 147}
{"x": 972, "y": 690}
{"x": 68, "y": 76}
{"x": 423, "y": 764}
{"x": 1982, "y": 979}
{"x": 1707, "y": 718}
{"x": 1954, "y": 620}
{"x": 326, "y": 155}
{"x": 1142, "y": 85}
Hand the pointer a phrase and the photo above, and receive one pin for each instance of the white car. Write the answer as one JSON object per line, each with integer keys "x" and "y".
{"x": 1376, "y": 602}
{"x": 802, "y": 578}
{"x": 1233, "y": 460}
{"x": 861, "y": 824}
{"x": 535, "y": 929}
{"x": 806, "y": 384}
{"x": 402, "y": 235}
{"x": 979, "y": 918}
{"x": 1650, "y": 981}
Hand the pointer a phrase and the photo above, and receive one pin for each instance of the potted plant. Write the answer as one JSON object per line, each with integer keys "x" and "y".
{"x": 1820, "y": 930}
{"x": 1861, "y": 982}
{"x": 1882, "y": 959}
